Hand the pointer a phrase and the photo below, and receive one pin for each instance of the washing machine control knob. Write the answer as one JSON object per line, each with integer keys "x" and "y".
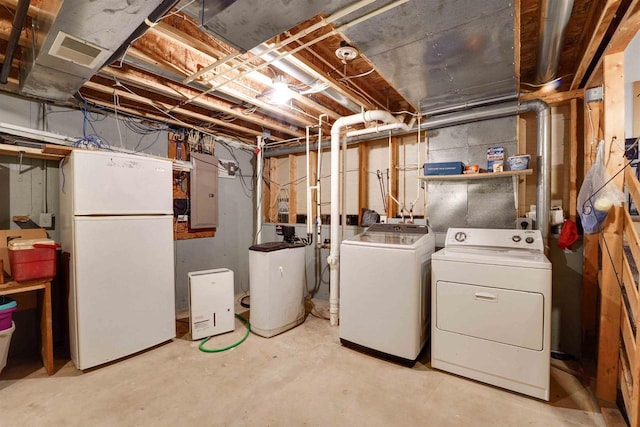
{"x": 460, "y": 236}
{"x": 529, "y": 240}
{"x": 516, "y": 238}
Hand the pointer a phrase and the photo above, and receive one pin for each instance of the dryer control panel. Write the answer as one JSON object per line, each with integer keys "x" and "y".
{"x": 508, "y": 239}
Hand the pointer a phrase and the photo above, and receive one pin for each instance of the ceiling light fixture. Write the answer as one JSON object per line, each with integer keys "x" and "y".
{"x": 346, "y": 52}
{"x": 280, "y": 94}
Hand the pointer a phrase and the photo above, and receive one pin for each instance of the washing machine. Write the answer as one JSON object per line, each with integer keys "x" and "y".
{"x": 385, "y": 290}
{"x": 491, "y": 308}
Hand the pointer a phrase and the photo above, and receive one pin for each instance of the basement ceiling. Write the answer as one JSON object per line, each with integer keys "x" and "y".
{"x": 211, "y": 64}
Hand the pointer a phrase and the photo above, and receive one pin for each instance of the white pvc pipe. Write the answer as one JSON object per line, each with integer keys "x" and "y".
{"x": 334, "y": 254}
{"x": 319, "y": 188}
{"x": 377, "y": 129}
{"x": 259, "y": 171}
{"x": 307, "y": 159}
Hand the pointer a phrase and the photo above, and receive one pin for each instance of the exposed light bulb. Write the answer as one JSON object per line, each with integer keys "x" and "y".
{"x": 280, "y": 94}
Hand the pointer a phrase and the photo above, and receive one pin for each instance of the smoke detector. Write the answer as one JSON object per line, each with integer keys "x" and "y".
{"x": 346, "y": 52}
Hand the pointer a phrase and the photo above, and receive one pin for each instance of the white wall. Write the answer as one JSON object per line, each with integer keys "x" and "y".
{"x": 25, "y": 187}
{"x": 631, "y": 74}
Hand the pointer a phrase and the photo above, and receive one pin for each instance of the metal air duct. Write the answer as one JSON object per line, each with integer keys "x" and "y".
{"x": 73, "y": 39}
{"x": 553, "y": 22}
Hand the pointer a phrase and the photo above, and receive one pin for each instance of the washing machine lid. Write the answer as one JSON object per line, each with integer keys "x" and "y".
{"x": 407, "y": 236}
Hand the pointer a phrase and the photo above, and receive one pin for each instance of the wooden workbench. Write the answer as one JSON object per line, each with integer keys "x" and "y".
{"x": 11, "y": 288}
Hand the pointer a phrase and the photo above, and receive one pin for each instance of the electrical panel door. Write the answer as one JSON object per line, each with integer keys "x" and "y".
{"x": 204, "y": 191}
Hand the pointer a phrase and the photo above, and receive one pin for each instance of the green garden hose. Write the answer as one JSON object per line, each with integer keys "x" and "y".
{"x": 218, "y": 350}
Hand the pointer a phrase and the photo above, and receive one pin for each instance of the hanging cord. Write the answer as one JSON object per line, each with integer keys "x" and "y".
{"x": 219, "y": 350}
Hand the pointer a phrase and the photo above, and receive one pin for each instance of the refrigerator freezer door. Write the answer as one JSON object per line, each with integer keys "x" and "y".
{"x": 108, "y": 183}
{"x": 122, "y": 295}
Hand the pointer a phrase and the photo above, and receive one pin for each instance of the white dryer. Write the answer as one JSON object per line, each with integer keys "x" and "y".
{"x": 491, "y": 308}
{"x": 384, "y": 290}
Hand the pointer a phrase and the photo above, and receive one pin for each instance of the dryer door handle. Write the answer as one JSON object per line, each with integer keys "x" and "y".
{"x": 485, "y": 296}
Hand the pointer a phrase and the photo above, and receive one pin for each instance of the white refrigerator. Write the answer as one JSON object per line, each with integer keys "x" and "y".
{"x": 116, "y": 216}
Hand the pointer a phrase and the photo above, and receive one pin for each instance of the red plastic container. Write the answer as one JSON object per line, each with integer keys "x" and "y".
{"x": 32, "y": 259}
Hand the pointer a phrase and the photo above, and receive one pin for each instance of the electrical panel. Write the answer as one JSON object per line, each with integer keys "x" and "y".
{"x": 204, "y": 191}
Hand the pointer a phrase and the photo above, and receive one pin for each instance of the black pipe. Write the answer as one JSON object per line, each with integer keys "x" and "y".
{"x": 16, "y": 28}
{"x": 157, "y": 13}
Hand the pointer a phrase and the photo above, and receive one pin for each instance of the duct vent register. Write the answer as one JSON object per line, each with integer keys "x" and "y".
{"x": 76, "y": 50}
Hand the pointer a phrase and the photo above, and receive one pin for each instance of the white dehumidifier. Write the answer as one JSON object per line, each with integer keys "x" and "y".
{"x": 276, "y": 274}
{"x": 210, "y": 303}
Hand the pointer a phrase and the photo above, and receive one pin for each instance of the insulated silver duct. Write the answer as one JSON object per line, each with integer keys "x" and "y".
{"x": 553, "y": 22}
{"x": 543, "y": 137}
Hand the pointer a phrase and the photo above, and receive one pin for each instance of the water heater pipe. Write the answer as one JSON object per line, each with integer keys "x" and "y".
{"x": 334, "y": 254}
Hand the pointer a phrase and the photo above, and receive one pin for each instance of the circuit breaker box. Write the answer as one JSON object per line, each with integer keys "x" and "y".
{"x": 204, "y": 191}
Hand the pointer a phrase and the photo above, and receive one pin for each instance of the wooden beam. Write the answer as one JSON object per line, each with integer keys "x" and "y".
{"x": 274, "y": 191}
{"x": 392, "y": 209}
{"x": 636, "y": 109}
{"x": 29, "y": 152}
{"x": 609, "y": 336}
{"x": 162, "y": 67}
{"x": 573, "y": 159}
{"x": 607, "y": 15}
{"x": 293, "y": 188}
{"x": 163, "y": 106}
{"x": 626, "y": 31}
{"x": 180, "y": 93}
{"x": 363, "y": 179}
{"x": 553, "y": 98}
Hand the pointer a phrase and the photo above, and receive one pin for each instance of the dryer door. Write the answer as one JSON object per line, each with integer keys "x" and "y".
{"x": 495, "y": 314}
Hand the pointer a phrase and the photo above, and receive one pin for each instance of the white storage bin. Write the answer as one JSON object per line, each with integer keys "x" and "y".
{"x": 5, "y": 341}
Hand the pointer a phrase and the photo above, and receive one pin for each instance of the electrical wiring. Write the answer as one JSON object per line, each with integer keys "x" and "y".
{"x": 366, "y": 73}
{"x": 202, "y": 348}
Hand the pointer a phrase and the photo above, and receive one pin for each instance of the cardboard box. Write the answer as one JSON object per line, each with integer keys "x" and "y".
{"x": 443, "y": 168}
{"x": 495, "y": 157}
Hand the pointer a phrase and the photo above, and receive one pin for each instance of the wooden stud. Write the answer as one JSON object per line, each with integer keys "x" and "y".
{"x": 392, "y": 208}
{"x": 293, "y": 189}
{"x": 363, "y": 179}
{"x": 609, "y": 336}
{"x": 636, "y": 109}
{"x": 573, "y": 159}
{"x": 274, "y": 192}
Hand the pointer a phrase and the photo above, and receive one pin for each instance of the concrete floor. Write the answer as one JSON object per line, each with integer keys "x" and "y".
{"x": 301, "y": 377}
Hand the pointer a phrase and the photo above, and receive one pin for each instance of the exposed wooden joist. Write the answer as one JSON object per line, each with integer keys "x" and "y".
{"x": 607, "y": 15}
{"x": 627, "y": 29}
{"x": 553, "y": 98}
{"x": 293, "y": 190}
{"x": 179, "y": 92}
{"x": 293, "y": 117}
{"x": 189, "y": 60}
{"x": 163, "y": 106}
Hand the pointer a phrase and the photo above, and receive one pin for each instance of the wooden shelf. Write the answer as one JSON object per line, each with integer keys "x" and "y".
{"x": 487, "y": 175}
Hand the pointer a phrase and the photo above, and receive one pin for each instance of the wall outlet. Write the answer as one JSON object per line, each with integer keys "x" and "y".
{"x": 227, "y": 168}
{"x": 46, "y": 220}
{"x": 594, "y": 94}
{"x": 183, "y": 218}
